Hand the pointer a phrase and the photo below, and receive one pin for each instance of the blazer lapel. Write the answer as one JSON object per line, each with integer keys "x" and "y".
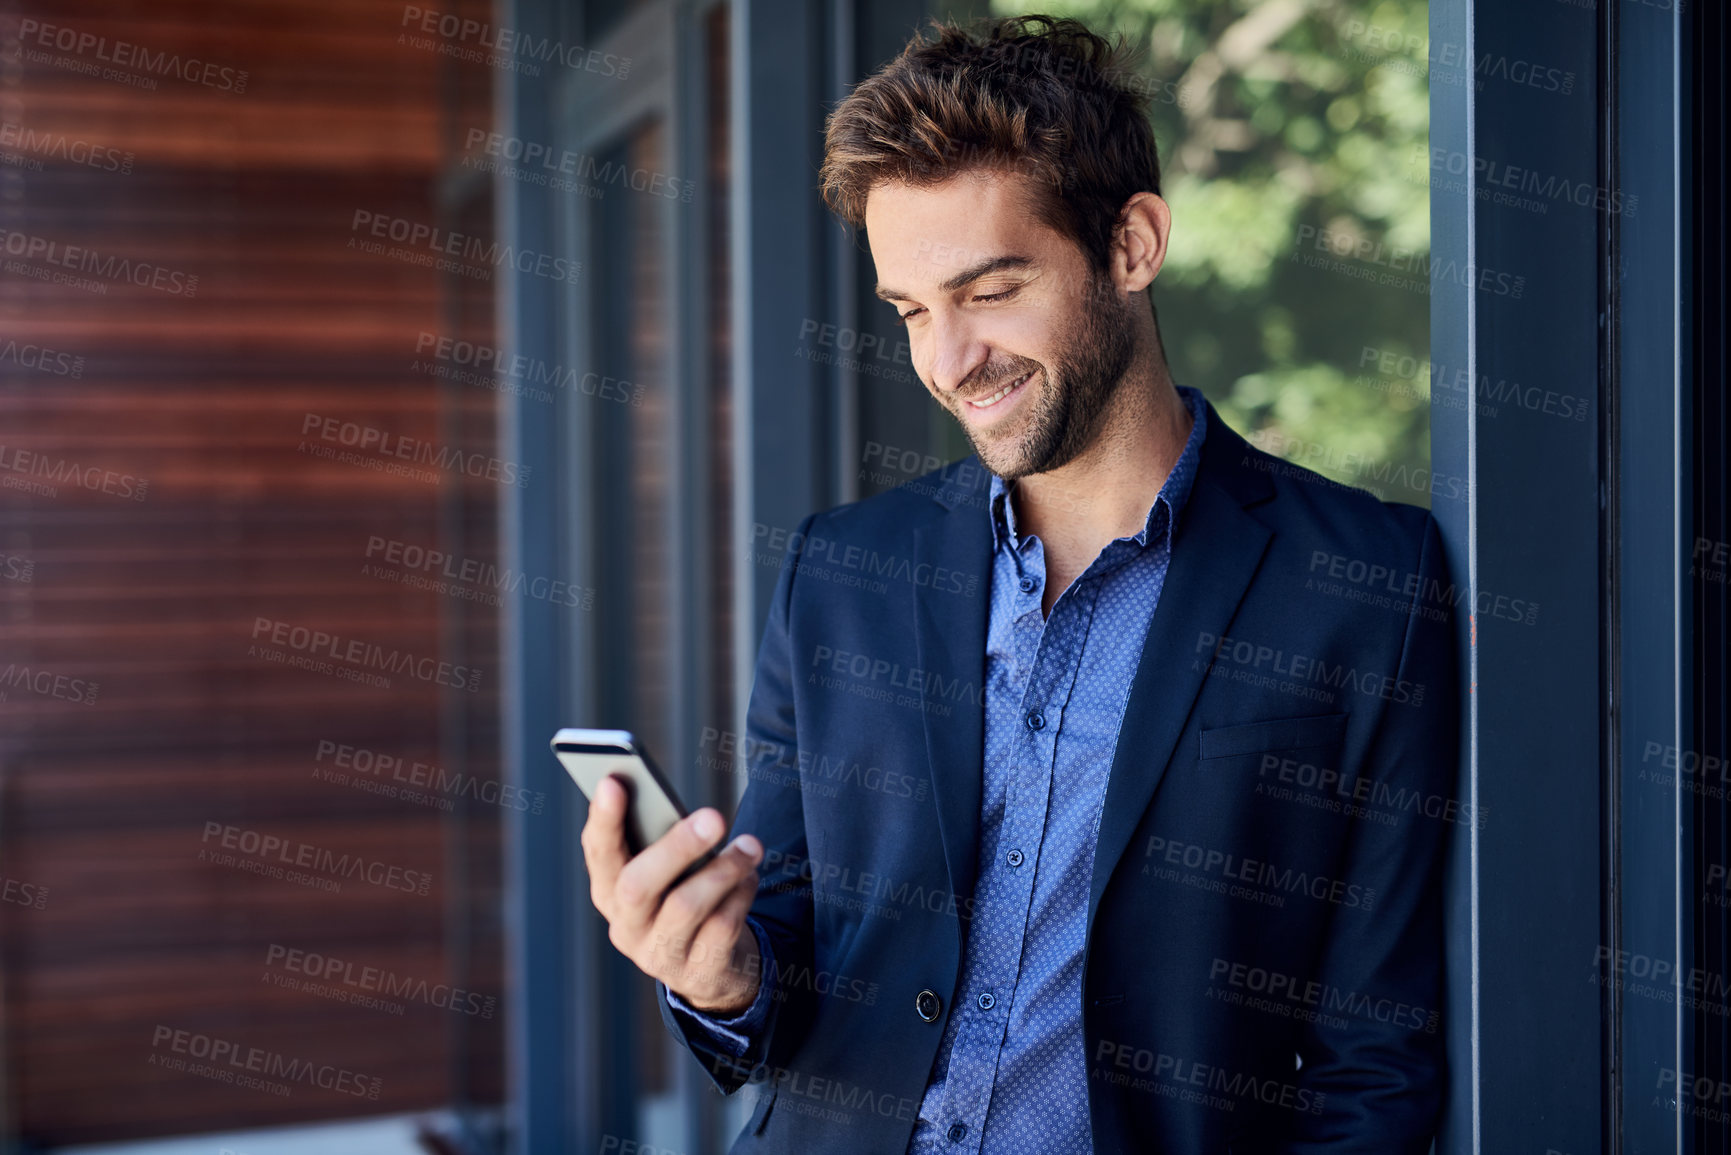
{"x": 1215, "y": 552}
{"x": 950, "y": 639}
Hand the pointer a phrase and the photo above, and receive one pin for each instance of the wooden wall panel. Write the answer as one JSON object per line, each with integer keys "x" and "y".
{"x": 149, "y": 713}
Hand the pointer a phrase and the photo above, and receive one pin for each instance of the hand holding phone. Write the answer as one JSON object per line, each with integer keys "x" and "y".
{"x": 675, "y": 908}
{"x": 652, "y": 807}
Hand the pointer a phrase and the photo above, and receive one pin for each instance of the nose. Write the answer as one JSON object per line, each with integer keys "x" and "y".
{"x": 955, "y": 352}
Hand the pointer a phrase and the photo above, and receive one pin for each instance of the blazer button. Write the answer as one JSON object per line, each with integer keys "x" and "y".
{"x": 927, "y": 1005}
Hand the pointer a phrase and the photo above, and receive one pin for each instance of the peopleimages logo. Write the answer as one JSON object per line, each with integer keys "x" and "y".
{"x": 389, "y": 448}
{"x": 834, "y": 879}
{"x": 325, "y": 969}
{"x": 1518, "y": 185}
{"x": 83, "y": 259}
{"x": 1451, "y": 387}
{"x": 372, "y": 767}
{"x": 1301, "y": 669}
{"x": 786, "y": 978}
{"x": 475, "y": 364}
{"x": 1357, "y": 795}
{"x": 854, "y": 672}
{"x": 1413, "y": 588}
{"x": 14, "y": 568}
{"x": 367, "y": 655}
{"x": 1231, "y": 867}
{"x": 33, "y": 146}
{"x": 542, "y": 164}
{"x": 229, "y": 1062}
{"x": 42, "y": 359}
{"x": 755, "y": 756}
{"x": 16, "y": 676}
{"x": 1321, "y": 997}
{"x": 505, "y": 44}
{"x": 431, "y": 242}
{"x": 1423, "y": 270}
{"x": 1453, "y": 62}
{"x": 848, "y": 1098}
{"x": 1700, "y": 1095}
{"x": 22, "y": 893}
{"x": 271, "y": 849}
{"x": 29, "y": 465}
{"x": 422, "y": 567}
{"x": 841, "y": 561}
{"x": 127, "y": 55}
{"x": 1172, "y": 1076}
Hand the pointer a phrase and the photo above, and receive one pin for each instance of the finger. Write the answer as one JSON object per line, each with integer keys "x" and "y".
{"x": 604, "y": 850}
{"x": 703, "y": 916}
{"x": 688, "y": 905}
{"x": 725, "y": 926}
{"x": 643, "y": 881}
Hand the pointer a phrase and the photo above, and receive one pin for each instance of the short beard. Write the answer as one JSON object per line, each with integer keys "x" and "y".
{"x": 1090, "y": 369}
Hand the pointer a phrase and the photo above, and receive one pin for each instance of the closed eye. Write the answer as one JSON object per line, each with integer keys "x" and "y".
{"x": 902, "y": 318}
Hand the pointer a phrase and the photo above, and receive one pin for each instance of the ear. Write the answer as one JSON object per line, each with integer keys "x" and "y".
{"x": 1139, "y": 242}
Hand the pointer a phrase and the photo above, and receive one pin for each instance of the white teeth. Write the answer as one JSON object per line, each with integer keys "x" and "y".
{"x": 1000, "y": 394}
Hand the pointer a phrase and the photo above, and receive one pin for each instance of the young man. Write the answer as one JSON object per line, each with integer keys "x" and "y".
{"x": 1112, "y": 817}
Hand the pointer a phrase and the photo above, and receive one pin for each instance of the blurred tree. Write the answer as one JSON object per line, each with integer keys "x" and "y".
{"x": 1294, "y": 139}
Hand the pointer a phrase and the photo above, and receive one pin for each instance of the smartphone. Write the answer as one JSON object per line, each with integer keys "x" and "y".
{"x": 652, "y": 809}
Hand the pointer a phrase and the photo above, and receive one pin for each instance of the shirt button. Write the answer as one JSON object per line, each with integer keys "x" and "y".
{"x": 1028, "y": 585}
{"x": 1014, "y": 858}
{"x": 927, "y": 1005}
{"x": 1036, "y": 720}
{"x": 958, "y": 1132}
{"x": 986, "y": 1001}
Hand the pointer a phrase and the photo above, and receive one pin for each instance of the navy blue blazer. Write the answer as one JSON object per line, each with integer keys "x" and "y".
{"x": 1263, "y": 960}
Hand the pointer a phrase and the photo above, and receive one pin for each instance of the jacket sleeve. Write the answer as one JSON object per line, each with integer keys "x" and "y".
{"x": 1376, "y": 1087}
{"x": 731, "y": 1036}
{"x": 772, "y": 809}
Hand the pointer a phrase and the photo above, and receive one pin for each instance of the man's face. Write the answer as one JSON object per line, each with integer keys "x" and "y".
{"x": 1007, "y": 326}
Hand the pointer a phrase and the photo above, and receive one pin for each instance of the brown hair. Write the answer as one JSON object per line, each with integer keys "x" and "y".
{"x": 1032, "y": 93}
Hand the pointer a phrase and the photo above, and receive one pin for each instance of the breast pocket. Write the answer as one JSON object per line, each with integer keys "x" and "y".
{"x": 1312, "y": 732}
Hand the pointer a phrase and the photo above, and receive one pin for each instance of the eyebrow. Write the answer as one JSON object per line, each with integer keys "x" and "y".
{"x": 965, "y": 277}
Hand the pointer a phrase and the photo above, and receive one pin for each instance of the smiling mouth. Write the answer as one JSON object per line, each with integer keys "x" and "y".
{"x": 988, "y": 402}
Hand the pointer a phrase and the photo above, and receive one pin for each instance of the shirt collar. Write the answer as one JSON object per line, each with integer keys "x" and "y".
{"x": 1174, "y": 493}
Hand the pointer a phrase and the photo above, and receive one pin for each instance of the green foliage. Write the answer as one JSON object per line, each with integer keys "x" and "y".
{"x": 1282, "y": 122}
